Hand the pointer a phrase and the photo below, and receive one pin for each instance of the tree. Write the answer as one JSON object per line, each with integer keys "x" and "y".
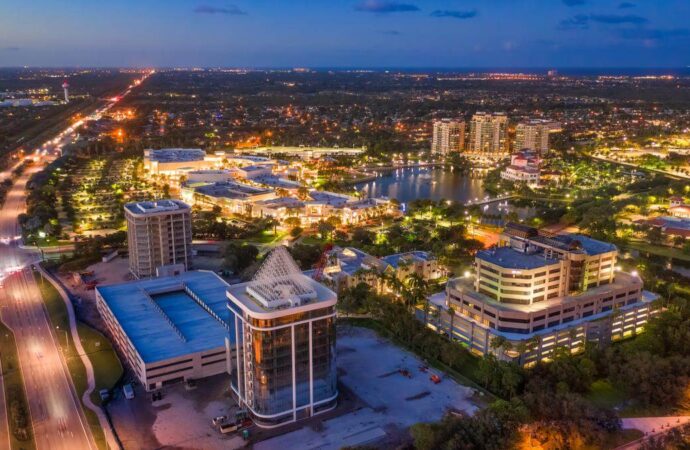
{"x": 292, "y": 222}
{"x": 295, "y": 232}
{"x": 325, "y": 229}
{"x": 239, "y": 257}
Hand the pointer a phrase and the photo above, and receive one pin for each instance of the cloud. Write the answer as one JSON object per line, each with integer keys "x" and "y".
{"x": 654, "y": 34}
{"x": 455, "y": 14}
{"x": 385, "y": 6}
{"x": 577, "y": 22}
{"x": 229, "y": 10}
{"x": 582, "y": 21}
{"x": 613, "y": 19}
{"x": 626, "y": 5}
{"x": 574, "y": 2}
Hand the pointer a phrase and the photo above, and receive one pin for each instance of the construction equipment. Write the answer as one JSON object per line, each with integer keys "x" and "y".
{"x": 435, "y": 379}
{"x": 321, "y": 264}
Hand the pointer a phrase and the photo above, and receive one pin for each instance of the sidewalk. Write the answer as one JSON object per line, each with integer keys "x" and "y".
{"x": 86, "y": 397}
{"x": 651, "y": 426}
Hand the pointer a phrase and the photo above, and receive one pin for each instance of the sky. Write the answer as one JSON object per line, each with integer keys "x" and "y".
{"x": 345, "y": 33}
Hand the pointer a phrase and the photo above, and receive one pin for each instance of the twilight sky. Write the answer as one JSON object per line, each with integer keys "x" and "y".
{"x": 346, "y": 33}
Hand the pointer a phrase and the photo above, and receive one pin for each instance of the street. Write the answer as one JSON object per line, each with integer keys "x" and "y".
{"x": 58, "y": 420}
{"x": 56, "y": 413}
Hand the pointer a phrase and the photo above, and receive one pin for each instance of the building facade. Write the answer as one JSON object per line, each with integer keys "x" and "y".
{"x": 488, "y": 134}
{"x": 159, "y": 233}
{"x": 537, "y": 292}
{"x": 283, "y": 366}
{"x": 532, "y": 135}
{"x": 523, "y": 168}
{"x": 448, "y": 136}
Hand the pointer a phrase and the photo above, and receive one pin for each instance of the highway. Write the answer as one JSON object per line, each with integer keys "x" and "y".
{"x": 56, "y": 412}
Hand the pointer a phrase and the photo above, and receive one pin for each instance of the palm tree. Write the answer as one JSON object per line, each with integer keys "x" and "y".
{"x": 418, "y": 288}
{"x": 451, "y": 311}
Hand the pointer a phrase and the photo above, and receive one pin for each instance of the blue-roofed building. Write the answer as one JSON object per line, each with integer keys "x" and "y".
{"x": 346, "y": 267}
{"x": 169, "y": 329}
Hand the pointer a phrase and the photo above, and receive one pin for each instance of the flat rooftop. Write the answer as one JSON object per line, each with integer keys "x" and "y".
{"x": 229, "y": 189}
{"x": 623, "y": 280}
{"x": 510, "y": 258}
{"x": 175, "y": 154}
{"x": 163, "y": 321}
{"x": 321, "y": 296}
{"x": 156, "y": 206}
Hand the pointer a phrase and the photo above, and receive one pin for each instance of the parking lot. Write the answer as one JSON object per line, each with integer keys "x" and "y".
{"x": 180, "y": 420}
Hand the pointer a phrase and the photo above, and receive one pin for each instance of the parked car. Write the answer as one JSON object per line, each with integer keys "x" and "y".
{"x": 128, "y": 390}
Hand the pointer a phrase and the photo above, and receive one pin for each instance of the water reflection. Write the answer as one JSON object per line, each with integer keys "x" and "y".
{"x": 425, "y": 182}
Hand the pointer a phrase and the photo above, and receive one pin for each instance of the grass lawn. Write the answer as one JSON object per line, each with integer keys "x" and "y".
{"x": 107, "y": 366}
{"x": 660, "y": 250}
{"x": 21, "y": 435}
{"x": 622, "y": 437}
{"x": 311, "y": 240}
{"x": 605, "y": 395}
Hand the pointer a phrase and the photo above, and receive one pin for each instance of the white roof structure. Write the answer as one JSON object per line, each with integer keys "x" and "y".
{"x": 280, "y": 283}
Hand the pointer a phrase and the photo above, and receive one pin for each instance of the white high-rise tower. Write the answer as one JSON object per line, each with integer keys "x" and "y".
{"x": 65, "y": 86}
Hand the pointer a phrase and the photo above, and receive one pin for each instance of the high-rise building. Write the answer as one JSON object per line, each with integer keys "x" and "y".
{"x": 488, "y": 134}
{"x": 448, "y": 136}
{"x": 159, "y": 233}
{"x": 537, "y": 293}
{"x": 533, "y": 135}
{"x": 283, "y": 366}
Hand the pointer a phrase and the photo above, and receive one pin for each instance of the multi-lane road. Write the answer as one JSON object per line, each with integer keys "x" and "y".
{"x": 56, "y": 413}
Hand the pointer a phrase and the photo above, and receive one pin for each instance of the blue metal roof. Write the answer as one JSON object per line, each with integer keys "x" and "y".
{"x": 162, "y": 319}
{"x": 510, "y": 258}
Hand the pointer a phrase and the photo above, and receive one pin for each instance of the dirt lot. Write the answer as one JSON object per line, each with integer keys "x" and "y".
{"x": 370, "y": 366}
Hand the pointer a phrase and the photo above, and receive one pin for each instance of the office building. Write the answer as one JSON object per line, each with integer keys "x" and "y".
{"x": 159, "y": 234}
{"x": 283, "y": 366}
{"x": 168, "y": 329}
{"x": 538, "y": 292}
{"x": 488, "y": 134}
{"x": 448, "y": 136}
{"x": 533, "y": 135}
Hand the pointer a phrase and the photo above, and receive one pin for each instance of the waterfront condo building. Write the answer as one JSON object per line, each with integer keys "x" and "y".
{"x": 448, "y": 136}
{"x": 282, "y": 347}
{"x": 159, "y": 233}
{"x": 533, "y": 135}
{"x": 488, "y": 134}
{"x": 537, "y": 292}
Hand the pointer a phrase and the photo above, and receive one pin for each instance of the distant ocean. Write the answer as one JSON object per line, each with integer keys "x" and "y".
{"x": 575, "y": 71}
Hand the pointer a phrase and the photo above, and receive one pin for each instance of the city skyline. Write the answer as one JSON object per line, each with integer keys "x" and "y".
{"x": 347, "y": 34}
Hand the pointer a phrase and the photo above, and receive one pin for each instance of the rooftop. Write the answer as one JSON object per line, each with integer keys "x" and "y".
{"x": 162, "y": 319}
{"x": 279, "y": 285}
{"x": 417, "y": 256}
{"x": 466, "y": 286}
{"x": 156, "y": 206}
{"x": 576, "y": 243}
{"x": 228, "y": 189}
{"x": 175, "y": 154}
{"x": 510, "y": 258}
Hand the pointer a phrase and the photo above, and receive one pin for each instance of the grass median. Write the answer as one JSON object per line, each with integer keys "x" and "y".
{"x": 106, "y": 364}
{"x": 18, "y": 415}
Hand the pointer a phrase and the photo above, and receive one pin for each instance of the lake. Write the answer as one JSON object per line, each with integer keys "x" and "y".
{"x": 433, "y": 183}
